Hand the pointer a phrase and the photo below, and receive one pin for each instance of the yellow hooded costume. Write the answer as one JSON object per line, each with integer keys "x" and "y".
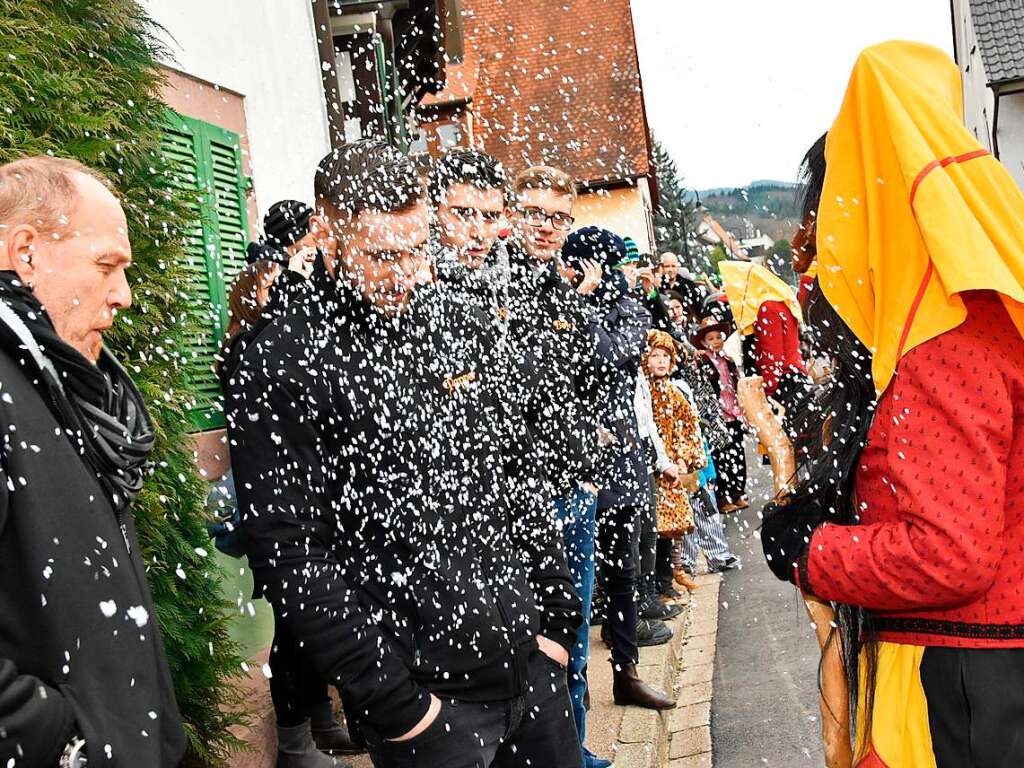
{"x": 913, "y": 211}
{"x": 748, "y": 286}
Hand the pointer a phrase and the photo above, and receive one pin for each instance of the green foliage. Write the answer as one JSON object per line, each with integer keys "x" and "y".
{"x": 780, "y": 261}
{"x": 678, "y": 215}
{"x": 763, "y": 207}
{"x": 718, "y": 254}
{"x": 78, "y": 78}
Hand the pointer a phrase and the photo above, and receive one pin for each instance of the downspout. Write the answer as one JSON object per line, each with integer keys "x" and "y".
{"x": 995, "y": 122}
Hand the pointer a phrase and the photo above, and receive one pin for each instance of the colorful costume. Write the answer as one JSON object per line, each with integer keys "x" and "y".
{"x": 767, "y": 314}
{"x": 679, "y": 428}
{"x": 921, "y": 252}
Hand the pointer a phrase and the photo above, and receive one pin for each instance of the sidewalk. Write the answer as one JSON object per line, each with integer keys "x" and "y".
{"x": 680, "y": 737}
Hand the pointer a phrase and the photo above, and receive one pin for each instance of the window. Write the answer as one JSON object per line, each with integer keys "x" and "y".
{"x": 206, "y": 163}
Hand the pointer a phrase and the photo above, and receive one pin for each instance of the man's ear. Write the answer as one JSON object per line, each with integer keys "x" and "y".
{"x": 17, "y": 251}
{"x": 319, "y": 228}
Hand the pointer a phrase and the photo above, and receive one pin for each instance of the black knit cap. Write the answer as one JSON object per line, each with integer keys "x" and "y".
{"x": 595, "y": 244}
{"x": 286, "y": 223}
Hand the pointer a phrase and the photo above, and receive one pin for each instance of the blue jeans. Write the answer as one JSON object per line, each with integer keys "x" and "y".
{"x": 576, "y": 510}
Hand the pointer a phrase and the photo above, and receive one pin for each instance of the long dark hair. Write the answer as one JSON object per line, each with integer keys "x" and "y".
{"x": 833, "y": 432}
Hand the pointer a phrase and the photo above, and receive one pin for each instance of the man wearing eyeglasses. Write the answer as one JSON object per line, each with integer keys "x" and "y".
{"x": 548, "y": 319}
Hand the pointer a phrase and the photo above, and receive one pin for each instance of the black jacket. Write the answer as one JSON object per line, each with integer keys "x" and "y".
{"x": 342, "y": 438}
{"x": 549, "y": 331}
{"x": 621, "y": 333}
{"x": 80, "y": 646}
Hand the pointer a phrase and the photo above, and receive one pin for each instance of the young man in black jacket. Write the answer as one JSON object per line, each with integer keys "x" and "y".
{"x": 82, "y": 668}
{"x": 548, "y": 327}
{"x": 422, "y": 603}
{"x": 619, "y": 325}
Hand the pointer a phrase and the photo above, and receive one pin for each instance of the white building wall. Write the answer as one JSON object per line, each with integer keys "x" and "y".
{"x": 1011, "y": 134}
{"x": 979, "y": 101}
{"x": 266, "y": 51}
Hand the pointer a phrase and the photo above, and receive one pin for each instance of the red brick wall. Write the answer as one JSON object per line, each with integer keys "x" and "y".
{"x": 558, "y": 82}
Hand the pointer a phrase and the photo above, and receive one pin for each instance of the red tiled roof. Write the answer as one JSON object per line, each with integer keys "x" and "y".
{"x": 557, "y": 81}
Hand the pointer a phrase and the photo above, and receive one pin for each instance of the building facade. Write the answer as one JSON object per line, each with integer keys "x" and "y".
{"x": 988, "y": 40}
{"x": 558, "y": 84}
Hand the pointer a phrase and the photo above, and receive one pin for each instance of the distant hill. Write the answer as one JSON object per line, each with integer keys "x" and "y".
{"x": 752, "y": 185}
{"x": 763, "y": 206}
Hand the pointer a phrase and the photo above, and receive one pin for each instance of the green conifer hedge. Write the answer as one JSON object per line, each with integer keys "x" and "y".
{"x": 78, "y": 78}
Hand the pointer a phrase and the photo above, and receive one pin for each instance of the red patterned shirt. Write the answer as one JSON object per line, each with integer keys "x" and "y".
{"x": 939, "y": 553}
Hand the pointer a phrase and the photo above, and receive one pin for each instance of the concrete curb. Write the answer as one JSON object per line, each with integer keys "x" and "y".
{"x": 680, "y": 737}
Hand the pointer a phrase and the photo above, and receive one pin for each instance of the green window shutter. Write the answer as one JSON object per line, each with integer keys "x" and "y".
{"x": 206, "y": 163}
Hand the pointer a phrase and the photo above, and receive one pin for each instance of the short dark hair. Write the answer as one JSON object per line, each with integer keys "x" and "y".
{"x": 466, "y": 166}
{"x": 366, "y": 175}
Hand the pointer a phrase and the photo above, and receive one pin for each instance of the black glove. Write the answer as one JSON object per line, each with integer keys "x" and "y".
{"x": 784, "y": 542}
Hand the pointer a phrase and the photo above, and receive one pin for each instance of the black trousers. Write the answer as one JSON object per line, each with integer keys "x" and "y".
{"x": 645, "y": 541}
{"x": 535, "y": 729}
{"x": 295, "y": 688}
{"x": 664, "y": 570}
{"x": 616, "y": 529}
{"x": 731, "y": 467}
{"x": 975, "y": 706}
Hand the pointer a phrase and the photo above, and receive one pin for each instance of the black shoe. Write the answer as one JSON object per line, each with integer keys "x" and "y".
{"x": 650, "y": 633}
{"x": 656, "y": 610}
{"x": 730, "y": 562}
{"x": 329, "y": 735}
{"x": 670, "y": 593}
{"x": 597, "y": 617}
{"x": 335, "y": 740}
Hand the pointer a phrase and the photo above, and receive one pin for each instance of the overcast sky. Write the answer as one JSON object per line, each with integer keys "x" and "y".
{"x": 739, "y": 89}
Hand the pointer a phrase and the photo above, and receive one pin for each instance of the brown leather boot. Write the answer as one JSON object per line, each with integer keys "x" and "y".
{"x": 629, "y": 689}
{"x": 683, "y": 579}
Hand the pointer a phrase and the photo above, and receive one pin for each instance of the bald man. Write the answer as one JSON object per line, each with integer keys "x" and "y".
{"x": 82, "y": 669}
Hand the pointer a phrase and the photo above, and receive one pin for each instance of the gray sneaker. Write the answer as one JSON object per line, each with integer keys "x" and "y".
{"x": 652, "y": 632}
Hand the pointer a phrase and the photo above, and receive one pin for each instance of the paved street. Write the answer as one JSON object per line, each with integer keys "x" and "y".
{"x": 765, "y": 710}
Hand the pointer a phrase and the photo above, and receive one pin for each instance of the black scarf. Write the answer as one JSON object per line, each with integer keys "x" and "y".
{"x": 98, "y": 405}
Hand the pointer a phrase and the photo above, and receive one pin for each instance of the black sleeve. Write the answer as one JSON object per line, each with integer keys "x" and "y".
{"x": 36, "y": 721}
{"x": 625, "y": 344}
{"x": 288, "y": 526}
{"x": 286, "y": 287}
{"x": 539, "y": 545}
